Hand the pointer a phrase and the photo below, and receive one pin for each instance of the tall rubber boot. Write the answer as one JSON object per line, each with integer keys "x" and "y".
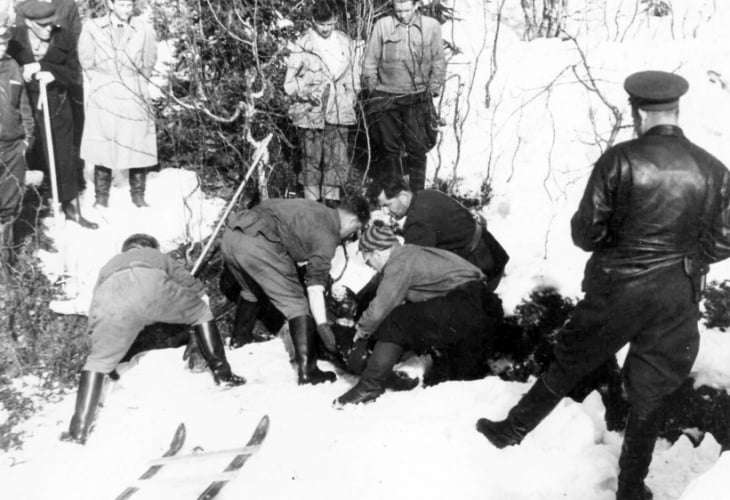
{"x": 137, "y": 185}
{"x": 415, "y": 167}
{"x": 211, "y": 345}
{"x": 635, "y": 458}
{"x": 102, "y": 185}
{"x": 523, "y": 418}
{"x": 87, "y": 400}
{"x": 391, "y": 167}
{"x": 373, "y": 380}
{"x": 304, "y": 337}
{"x": 72, "y": 211}
{"x": 243, "y": 323}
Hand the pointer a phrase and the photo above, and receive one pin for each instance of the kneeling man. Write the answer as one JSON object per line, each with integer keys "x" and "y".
{"x": 137, "y": 288}
{"x": 427, "y": 298}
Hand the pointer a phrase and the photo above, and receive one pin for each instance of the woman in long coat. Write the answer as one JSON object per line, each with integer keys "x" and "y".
{"x": 118, "y": 53}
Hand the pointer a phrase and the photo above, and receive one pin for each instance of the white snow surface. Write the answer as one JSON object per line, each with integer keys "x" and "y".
{"x": 538, "y": 147}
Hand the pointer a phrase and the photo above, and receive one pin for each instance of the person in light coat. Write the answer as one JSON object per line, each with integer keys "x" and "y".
{"x": 323, "y": 87}
{"x": 118, "y": 53}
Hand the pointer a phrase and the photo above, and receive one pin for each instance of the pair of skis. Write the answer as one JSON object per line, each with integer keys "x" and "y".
{"x": 217, "y": 481}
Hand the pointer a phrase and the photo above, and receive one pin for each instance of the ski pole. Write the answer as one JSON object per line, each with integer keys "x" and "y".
{"x": 260, "y": 150}
{"x": 50, "y": 151}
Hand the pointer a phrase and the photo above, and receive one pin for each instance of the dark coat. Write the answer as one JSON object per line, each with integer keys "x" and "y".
{"x": 435, "y": 219}
{"x": 62, "y": 61}
{"x": 649, "y": 203}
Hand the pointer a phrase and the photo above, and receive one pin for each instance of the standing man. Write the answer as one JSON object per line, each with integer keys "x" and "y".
{"x": 48, "y": 56}
{"x": 16, "y": 133}
{"x": 655, "y": 213}
{"x": 322, "y": 84}
{"x": 403, "y": 70}
{"x": 137, "y": 288}
{"x": 118, "y": 53}
{"x": 435, "y": 219}
{"x": 262, "y": 248}
{"x": 427, "y": 298}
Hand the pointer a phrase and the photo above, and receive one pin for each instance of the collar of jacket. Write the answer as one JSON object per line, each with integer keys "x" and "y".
{"x": 106, "y": 21}
{"x": 417, "y": 21}
{"x": 666, "y": 130}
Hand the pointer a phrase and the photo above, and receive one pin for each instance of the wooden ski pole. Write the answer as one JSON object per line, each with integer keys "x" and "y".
{"x": 260, "y": 150}
{"x": 50, "y": 152}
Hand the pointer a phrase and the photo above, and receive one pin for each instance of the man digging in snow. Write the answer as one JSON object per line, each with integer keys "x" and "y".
{"x": 136, "y": 288}
{"x": 262, "y": 247}
{"x": 442, "y": 308}
{"x": 655, "y": 213}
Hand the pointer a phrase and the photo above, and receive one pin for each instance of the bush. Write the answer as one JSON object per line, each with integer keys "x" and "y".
{"x": 717, "y": 305}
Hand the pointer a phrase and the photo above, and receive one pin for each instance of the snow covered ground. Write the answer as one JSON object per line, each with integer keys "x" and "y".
{"x": 538, "y": 145}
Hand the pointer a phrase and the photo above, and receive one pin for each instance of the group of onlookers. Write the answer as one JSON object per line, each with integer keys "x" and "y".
{"x": 396, "y": 78}
{"x": 90, "y": 84}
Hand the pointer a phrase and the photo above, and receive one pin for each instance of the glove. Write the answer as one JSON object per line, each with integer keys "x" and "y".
{"x": 192, "y": 354}
{"x": 327, "y": 336}
{"x": 29, "y": 70}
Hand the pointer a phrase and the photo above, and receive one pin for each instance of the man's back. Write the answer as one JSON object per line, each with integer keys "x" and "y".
{"x": 649, "y": 202}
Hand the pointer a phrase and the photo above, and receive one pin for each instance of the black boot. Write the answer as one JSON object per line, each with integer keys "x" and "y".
{"x": 400, "y": 381}
{"x": 242, "y": 332}
{"x": 137, "y": 184}
{"x": 373, "y": 380}
{"x": 635, "y": 458}
{"x": 211, "y": 345}
{"x": 102, "y": 185}
{"x": 391, "y": 167}
{"x": 522, "y": 419}
{"x": 87, "y": 400}
{"x": 72, "y": 211}
{"x": 304, "y": 337}
{"x": 416, "y": 169}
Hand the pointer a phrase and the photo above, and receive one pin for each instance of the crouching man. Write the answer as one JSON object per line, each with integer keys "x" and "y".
{"x": 442, "y": 309}
{"x": 136, "y": 288}
{"x": 262, "y": 247}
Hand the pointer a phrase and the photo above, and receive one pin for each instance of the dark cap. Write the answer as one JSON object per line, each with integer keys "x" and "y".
{"x": 655, "y": 90}
{"x": 40, "y": 12}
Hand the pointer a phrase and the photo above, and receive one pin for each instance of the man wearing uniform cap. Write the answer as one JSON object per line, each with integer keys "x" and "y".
{"x": 48, "y": 56}
{"x": 655, "y": 214}
{"x": 427, "y": 298}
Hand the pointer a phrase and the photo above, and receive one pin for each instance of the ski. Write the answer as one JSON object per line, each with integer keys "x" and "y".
{"x": 242, "y": 456}
{"x": 177, "y": 442}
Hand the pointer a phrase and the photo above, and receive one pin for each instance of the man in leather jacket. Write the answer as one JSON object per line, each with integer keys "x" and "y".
{"x": 654, "y": 214}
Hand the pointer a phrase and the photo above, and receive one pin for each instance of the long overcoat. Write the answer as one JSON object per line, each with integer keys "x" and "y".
{"x": 119, "y": 132}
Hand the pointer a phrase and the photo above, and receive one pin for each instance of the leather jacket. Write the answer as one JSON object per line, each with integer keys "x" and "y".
{"x": 650, "y": 203}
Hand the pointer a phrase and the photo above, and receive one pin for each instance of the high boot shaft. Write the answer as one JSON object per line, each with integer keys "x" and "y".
{"x": 137, "y": 186}
{"x": 534, "y": 406}
{"x": 376, "y": 375}
{"x": 102, "y": 185}
{"x": 304, "y": 337}
{"x": 211, "y": 346}
{"x": 244, "y": 323}
{"x": 415, "y": 167}
{"x": 87, "y": 401}
{"x": 636, "y": 452}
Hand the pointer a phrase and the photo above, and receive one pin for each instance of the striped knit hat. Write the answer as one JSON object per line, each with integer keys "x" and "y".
{"x": 377, "y": 236}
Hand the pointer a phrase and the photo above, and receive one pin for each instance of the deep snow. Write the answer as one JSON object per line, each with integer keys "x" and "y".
{"x": 539, "y": 146}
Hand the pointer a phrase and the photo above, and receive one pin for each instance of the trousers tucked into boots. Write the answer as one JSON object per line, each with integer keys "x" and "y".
{"x": 137, "y": 185}
{"x": 534, "y": 406}
{"x": 374, "y": 378}
{"x": 636, "y": 452}
{"x": 102, "y": 185}
{"x": 304, "y": 337}
{"x": 87, "y": 400}
{"x": 243, "y": 324}
{"x": 211, "y": 346}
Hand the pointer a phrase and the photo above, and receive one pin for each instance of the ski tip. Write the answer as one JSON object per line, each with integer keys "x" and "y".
{"x": 262, "y": 429}
{"x": 177, "y": 440}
